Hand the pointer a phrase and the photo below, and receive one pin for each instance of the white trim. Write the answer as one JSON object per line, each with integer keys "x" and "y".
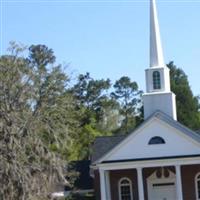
{"x": 102, "y": 184}
{"x": 179, "y": 191}
{"x": 127, "y": 139}
{"x": 140, "y": 183}
{"x": 180, "y": 133}
{"x": 149, "y": 163}
{"x": 138, "y": 130}
{"x": 130, "y": 186}
{"x": 107, "y": 179}
{"x": 196, "y": 185}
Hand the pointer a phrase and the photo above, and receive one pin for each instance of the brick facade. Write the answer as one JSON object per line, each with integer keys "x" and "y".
{"x": 188, "y": 181}
{"x": 188, "y": 174}
{"x": 115, "y": 176}
{"x": 97, "y": 185}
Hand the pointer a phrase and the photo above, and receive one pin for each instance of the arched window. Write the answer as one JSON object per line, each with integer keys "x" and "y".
{"x": 156, "y": 140}
{"x": 156, "y": 80}
{"x": 125, "y": 189}
{"x": 197, "y": 186}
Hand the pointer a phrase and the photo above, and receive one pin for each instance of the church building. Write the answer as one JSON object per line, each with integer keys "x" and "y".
{"x": 160, "y": 160}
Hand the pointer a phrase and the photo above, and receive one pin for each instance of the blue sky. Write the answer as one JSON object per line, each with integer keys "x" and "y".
{"x": 109, "y": 39}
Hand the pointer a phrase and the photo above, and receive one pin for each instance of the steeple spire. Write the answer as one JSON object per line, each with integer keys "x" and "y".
{"x": 156, "y": 52}
{"x": 158, "y": 94}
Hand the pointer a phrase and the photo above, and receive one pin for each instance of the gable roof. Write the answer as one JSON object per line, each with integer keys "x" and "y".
{"x": 194, "y": 135}
{"x": 104, "y": 145}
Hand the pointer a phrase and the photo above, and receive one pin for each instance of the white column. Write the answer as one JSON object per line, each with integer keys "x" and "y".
{"x": 102, "y": 184}
{"x": 107, "y": 177}
{"x": 140, "y": 184}
{"x": 179, "y": 193}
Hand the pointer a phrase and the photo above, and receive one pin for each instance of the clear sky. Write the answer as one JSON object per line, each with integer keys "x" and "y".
{"x": 109, "y": 39}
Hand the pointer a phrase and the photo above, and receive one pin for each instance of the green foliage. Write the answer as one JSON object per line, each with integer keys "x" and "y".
{"x": 90, "y": 92}
{"x": 90, "y": 95}
{"x": 103, "y": 113}
{"x": 37, "y": 121}
{"x": 109, "y": 117}
{"x": 45, "y": 123}
{"x": 128, "y": 95}
{"x": 187, "y": 104}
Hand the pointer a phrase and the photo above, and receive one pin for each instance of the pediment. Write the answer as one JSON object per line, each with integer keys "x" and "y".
{"x": 178, "y": 141}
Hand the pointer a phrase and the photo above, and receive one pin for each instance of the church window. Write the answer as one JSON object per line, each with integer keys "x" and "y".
{"x": 156, "y": 80}
{"x": 125, "y": 189}
{"x": 197, "y": 185}
{"x": 156, "y": 140}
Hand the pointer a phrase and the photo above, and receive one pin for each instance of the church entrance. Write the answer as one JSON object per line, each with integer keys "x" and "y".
{"x": 161, "y": 186}
{"x": 165, "y": 191}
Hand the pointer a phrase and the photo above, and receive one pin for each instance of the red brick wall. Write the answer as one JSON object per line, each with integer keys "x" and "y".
{"x": 188, "y": 181}
{"x": 116, "y": 175}
{"x": 188, "y": 174}
{"x": 97, "y": 185}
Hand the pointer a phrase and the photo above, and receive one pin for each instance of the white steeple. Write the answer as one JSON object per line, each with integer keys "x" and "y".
{"x": 158, "y": 95}
{"x": 156, "y": 52}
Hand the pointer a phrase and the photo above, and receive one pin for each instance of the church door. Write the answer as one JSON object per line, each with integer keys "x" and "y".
{"x": 162, "y": 188}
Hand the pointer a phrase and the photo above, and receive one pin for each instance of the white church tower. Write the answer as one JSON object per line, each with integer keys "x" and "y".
{"x": 158, "y": 96}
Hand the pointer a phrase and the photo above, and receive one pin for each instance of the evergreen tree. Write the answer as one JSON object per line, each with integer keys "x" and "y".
{"x": 127, "y": 94}
{"x": 187, "y": 104}
{"x": 91, "y": 96}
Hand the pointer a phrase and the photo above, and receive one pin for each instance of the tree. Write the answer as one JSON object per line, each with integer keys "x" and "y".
{"x": 127, "y": 93}
{"x": 109, "y": 116}
{"x": 187, "y": 104}
{"x": 91, "y": 96}
{"x": 36, "y": 123}
{"x": 89, "y": 92}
